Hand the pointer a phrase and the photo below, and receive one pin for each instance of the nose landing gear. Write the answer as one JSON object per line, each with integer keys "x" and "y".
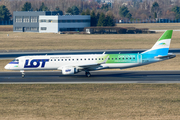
{"x": 23, "y": 73}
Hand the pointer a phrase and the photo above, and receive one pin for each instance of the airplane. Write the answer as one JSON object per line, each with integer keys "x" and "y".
{"x": 72, "y": 64}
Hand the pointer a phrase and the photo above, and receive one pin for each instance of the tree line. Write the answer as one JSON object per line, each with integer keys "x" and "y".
{"x": 120, "y": 9}
{"x": 99, "y": 19}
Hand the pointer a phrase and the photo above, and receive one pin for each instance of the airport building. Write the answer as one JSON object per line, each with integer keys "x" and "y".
{"x": 48, "y": 22}
{"x": 63, "y": 23}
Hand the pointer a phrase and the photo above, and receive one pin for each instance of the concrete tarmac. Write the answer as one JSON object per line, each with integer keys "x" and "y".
{"x": 54, "y": 77}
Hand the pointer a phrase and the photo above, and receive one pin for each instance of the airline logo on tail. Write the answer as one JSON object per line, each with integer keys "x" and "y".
{"x": 161, "y": 47}
{"x": 162, "y": 43}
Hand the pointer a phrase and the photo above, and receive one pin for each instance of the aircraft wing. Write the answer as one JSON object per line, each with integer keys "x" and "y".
{"x": 86, "y": 66}
{"x": 93, "y": 65}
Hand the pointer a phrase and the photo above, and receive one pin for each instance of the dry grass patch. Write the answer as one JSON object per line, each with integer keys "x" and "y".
{"x": 90, "y": 101}
{"x": 6, "y": 27}
{"x": 49, "y": 41}
{"x": 154, "y": 26}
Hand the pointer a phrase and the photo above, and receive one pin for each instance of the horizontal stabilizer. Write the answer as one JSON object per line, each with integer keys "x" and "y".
{"x": 169, "y": 56}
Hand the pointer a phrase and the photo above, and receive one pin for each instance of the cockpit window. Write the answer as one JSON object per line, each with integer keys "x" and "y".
{"x": 15, "y": 60}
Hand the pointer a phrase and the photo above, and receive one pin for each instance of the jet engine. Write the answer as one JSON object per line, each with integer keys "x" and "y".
{"x": 69, "y": 70}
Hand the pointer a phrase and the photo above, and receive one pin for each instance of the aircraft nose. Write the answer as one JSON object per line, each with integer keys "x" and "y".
{"x": 7, "y": 67}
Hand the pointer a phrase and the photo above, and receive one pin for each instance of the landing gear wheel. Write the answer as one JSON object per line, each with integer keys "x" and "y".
{"x": 23, "y": 75}
{"x": 88, "y": 74}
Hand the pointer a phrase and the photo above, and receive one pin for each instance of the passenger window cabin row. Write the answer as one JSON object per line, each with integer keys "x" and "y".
{"x": 91, "y": 59}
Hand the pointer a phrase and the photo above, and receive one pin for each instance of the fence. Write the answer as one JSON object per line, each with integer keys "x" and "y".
{"x": 149, "y": 21}
{"x": 10, "y": 22}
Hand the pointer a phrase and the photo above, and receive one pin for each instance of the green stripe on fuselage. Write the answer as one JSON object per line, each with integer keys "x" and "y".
{"x": 122, "y": 58}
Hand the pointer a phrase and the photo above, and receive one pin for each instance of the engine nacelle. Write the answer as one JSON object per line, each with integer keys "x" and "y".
{"x": 69, "y": 70}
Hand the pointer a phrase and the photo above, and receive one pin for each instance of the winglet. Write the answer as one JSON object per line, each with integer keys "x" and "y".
{"x": 104, "y": 60}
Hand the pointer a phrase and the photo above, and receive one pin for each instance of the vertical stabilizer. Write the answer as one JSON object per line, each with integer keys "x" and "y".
{"x": 161, "y": 47}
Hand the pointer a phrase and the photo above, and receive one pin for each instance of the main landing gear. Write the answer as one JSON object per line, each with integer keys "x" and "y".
{"x": 23, "y": 73}
{"x": 88, "y": 74}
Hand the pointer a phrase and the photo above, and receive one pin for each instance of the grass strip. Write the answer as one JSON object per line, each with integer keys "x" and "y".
{"x": 90, "y": 101}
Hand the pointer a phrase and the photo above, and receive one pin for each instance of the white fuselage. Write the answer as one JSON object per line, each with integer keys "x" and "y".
{"x": 81, "y": 62}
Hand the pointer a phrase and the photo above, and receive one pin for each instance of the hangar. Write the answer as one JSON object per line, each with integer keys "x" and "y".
{"x": 48, "y": 22}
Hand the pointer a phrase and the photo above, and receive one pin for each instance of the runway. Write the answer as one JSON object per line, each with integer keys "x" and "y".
{"x": 96, "y": 77}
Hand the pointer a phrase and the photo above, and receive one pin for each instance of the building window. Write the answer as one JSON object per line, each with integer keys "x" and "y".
{"x": 18, "y": 19}
{"x": 62, "y": 29}
{"x": 43, "y": 28}
{"x": 18, "y": 28}
{"x": 50, "y": 21}
{"x": 26, "y": 19}
{"x": 43, "y": 20}
{"x": 34, "y": 19}
{"x": 72, "y": 21}
{"x": 27, "y": 29}
{"x": 86, "y": 20}
{"x": 34, "y": 28}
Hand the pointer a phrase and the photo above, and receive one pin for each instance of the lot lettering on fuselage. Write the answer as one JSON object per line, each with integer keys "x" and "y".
{"x": 35, "y": 63}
